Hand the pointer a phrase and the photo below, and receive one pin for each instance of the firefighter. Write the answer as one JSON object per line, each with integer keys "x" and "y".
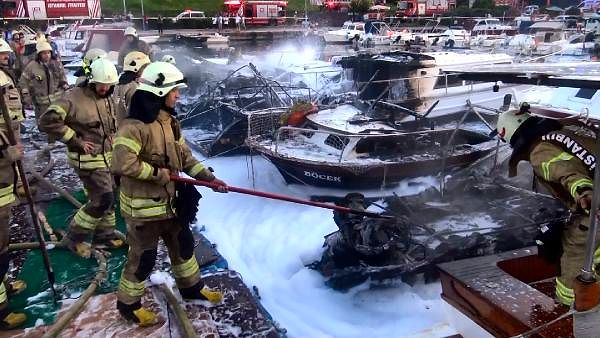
{"x": 169, "y": 58}
{"x": 43, "y": 81}
{"x": 147, "y": 149}
{"x": 132, "y": 43}
{"x": 89, "y": 57}
{"x": 8, "y": 179}
{"x": 18, "y": 46}
{"x": 84, "y": 120}
{"x": 563, "y": 162}
{"x": 132, "y": 70}
{"x": 12, "y": 97}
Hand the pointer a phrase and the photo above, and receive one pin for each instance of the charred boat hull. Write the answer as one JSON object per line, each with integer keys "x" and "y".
{"x": 334, "y": 160}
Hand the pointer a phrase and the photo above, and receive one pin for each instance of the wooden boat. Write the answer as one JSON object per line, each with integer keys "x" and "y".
{"x": 324, "y": 158}
{"x": 506, "y": 294}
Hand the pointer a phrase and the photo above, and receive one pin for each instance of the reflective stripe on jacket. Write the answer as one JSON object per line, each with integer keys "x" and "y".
{"x": 140, "y": 149}
{"x": 82, "y": 116}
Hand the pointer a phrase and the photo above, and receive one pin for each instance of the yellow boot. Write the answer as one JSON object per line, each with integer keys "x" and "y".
{"x": 201, "y": 291}
{"x": 137, "y": 314}
{"x": 12, "y": 320}
{"x": 15, "y": 287}
{"x": 212, "y": 296}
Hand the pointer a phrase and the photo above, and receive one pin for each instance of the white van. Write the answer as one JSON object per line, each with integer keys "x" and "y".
{"x": 187, "y": 15}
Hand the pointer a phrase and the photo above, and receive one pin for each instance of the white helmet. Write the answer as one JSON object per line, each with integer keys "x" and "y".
{"x": 131, "y": 31}
{"x": 5, "y": 47}
{"x": 134, "y": 61}
{"x": 160, "y": 78}
{"x": 510, "y": 121}
{"x": 42, "y": 46}
{"x": 93, "y": 55}
{"x": 169, "y": 58}
{"x": 103, "y": 71}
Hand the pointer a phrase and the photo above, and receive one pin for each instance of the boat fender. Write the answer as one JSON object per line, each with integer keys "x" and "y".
{"x": 549, "y": 241}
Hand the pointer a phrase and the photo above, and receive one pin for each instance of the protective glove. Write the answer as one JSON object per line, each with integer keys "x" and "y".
{"x": 162, "y": 176}
{"x": 13, "y": 153}
{"x": 585, "y": 200}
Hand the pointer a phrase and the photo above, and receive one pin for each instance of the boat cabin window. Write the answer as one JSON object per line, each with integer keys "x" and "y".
{"x": 360, "y": 28}
{"x": 337, "y": 142}
{"x": 79, "y": 35}
{"x": 586, "y": 93}
{"x": 495, "y": 22}
{"x": 351, "y": 27}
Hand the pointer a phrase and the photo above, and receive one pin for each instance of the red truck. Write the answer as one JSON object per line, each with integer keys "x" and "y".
{"x": 424, "y": 7}
{"x": 258, "y": 12}
{"x": 50, "y": 9}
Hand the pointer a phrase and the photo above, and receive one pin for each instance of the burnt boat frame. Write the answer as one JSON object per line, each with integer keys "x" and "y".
{"x": 342, "y": 174}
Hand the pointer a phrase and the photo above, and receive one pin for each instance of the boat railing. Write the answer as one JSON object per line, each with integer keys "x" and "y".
{"x": 445, "y": 85}
{"x": 342, "y": 142}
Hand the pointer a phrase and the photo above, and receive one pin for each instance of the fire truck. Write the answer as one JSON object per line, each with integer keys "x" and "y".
{"x": 336, "y": 5}
{"x": 258, "y": 12}
{"x": 50, "y": 9}
{"x": 424, "y": 7}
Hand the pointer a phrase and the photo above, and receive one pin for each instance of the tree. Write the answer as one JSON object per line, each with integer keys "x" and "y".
{"x": 360, "y": 6}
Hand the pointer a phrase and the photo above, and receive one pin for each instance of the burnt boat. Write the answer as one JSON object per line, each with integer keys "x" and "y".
{"x": 474, "y": 218}
{"x": 328, "y": 159}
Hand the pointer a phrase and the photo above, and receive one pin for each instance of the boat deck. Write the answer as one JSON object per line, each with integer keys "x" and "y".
{"x": 506, "y": 294}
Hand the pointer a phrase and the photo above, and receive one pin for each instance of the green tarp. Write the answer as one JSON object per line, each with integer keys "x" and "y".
{"x": 73, "y": 274}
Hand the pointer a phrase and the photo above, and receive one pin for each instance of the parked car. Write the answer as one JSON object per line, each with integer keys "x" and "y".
{"x": 186, "y": 15}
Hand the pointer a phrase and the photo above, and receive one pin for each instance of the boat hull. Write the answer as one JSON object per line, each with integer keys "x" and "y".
{"x": 333, "y": 175}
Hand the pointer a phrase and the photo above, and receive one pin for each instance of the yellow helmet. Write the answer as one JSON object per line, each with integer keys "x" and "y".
{"x": 160, "y": 78}
{"x": 510, "y": 121}
{"x": 134, "y": 61}
{"x": 42, "y": 46}
{"x": 4, "y": 47}
{"x": 103, "y": 71}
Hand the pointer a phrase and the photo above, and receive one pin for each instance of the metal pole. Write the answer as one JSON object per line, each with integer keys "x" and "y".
{"x": 124, "y": 8}
{"x": 143, "y": 17}
{"x": 587, "y": 273}
{"x": 305, "y": 10}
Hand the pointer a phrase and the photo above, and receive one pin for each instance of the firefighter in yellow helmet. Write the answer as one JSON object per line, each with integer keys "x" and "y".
{"x": 90, "y": 56}
{"x": 84, "y": 120}
{"x": 148, "y": 148}
{"x": 135, "y": 62}
{"x": 43, "y": 81}
{"x": 8, "y": 155}
{"x": 563, "y": 162}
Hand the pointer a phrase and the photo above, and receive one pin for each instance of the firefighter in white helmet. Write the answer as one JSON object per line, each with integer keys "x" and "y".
{"x": 84, "y": 119}
{"x": 43, "y": 81}
{"x": 169, "y": 58}
{"x": 132, "y": 43}
{"x": 90, "y": 56}
{"x": 149, "y": 147}
{"x": 563, "y": 162}
{"x": 9, "y": 154}
{"x": 134, "y": 64}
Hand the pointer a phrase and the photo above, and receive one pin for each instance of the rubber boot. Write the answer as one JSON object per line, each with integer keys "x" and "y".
{"x": 137, "y": 314}
{"x": 111, "y": 239}
{"x": 11, "y": 320}
{"x": 77, "y": 246}
{"x": 15, "y": 287}
{"x": 201, "y": 291}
